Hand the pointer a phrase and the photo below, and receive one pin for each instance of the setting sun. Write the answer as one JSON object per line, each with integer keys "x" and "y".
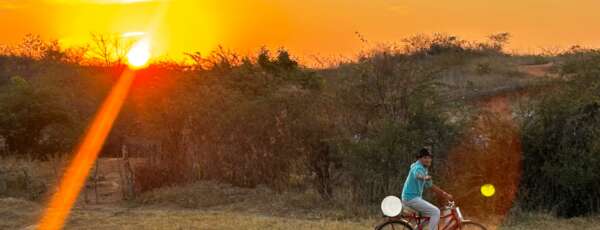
{"x": 139, "y": 54}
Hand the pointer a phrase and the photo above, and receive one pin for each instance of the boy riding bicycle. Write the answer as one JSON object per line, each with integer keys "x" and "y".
{"x": 418, "y": 179}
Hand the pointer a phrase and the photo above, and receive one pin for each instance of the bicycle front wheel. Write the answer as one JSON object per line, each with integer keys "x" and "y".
{"x": 394, "y": 225}
{"x": 470, "y": 225}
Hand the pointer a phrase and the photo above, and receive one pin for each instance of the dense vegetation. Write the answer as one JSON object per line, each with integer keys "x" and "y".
{"x": 347, "y": 132}
{"x": 561, "y": 142}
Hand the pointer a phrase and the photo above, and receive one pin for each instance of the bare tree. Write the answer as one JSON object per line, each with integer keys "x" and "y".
{"x": 109, "y": 49}
{"x": 75, "y": 55}
{"x": 499, "y": 40}
{"x": 32, "y": 46}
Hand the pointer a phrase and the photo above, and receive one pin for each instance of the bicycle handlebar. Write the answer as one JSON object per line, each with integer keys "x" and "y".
{"x": 451, "y": 204}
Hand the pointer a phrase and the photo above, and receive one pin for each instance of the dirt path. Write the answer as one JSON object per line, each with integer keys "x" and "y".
{"x": 107, "y": 187}
{"x": 542, "y": 70}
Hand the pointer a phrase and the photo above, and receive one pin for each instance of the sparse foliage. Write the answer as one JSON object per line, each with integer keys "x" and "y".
{"x": 499, "y": 40}
{"x": 109, "y": 49}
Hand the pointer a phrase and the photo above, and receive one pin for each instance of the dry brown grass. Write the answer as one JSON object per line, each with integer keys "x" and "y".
{"x": 17, "y": 213}
{"x": 252, "y": 212}
{"x": 261, "y": 201}
{"x": 29, "y": 179}
{"x": 210, "y": 205}
{"x": 21, "y": 214}
{"x": 542, "y": 221}
{"x": 488, "y": 76}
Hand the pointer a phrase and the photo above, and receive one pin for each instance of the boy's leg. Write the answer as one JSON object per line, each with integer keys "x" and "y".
{"x": 427, "y": 209}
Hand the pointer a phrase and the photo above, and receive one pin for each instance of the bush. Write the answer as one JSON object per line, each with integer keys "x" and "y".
{"x": 483, "y": 68}
{"x": 561, "y": 148}
{"x": 196, "y": 195}
{"x": 391, "y": 109}
{"x": 245, "y": 122}
{"x": 21, "y": 178}
{"x": 443, "y": 44}
{"x": 25, "y": 114}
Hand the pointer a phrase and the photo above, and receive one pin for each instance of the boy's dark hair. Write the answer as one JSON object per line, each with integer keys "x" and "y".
{"x": 423, "y": 153}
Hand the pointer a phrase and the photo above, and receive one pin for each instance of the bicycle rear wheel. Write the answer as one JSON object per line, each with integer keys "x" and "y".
{"x": 394, "y": 225}
{"x": 470, "y": 225}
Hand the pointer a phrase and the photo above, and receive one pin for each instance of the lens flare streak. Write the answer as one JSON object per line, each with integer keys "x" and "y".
{"x": 78, "y": 170}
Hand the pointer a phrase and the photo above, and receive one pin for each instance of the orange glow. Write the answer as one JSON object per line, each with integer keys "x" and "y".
{"x": 492, "y": 144}
{"x": 139, "y": 54}
{"x": 76, "y": 174}
{"x": 324, "y": 27}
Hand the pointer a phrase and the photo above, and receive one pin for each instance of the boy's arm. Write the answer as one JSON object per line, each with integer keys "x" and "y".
{"x": 423, "y": 177}
{"x": 441, "y": 192}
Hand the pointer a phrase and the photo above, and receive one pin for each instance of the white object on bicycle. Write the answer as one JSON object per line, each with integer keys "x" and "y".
{"x": 391, "y": 206}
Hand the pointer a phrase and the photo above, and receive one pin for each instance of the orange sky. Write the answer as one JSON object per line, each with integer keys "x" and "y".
{"x": 307, "y": 27}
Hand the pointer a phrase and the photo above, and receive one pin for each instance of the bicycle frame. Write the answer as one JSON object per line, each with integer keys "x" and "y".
{"x": 452, "y": 224}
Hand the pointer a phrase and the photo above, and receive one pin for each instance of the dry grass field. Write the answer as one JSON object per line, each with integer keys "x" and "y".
{"x": 20, "y": 214}
{"x": 209, "y": 205}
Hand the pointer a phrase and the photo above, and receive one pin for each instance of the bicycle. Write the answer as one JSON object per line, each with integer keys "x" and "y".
{"x": 412, "y": 221}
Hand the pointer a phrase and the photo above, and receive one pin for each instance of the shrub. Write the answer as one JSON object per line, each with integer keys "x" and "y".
{"x": 195, "y": 195}
{"x": 25, "y": 113}
{"x": 390, "y": 110}
{"x": 561, "y": 148}
{"x": 483, "y": 68}
{"x": 20, "y": 178}
{"x": 245, "y": 122}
